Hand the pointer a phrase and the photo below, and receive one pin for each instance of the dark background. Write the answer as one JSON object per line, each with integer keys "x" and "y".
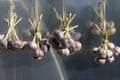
{"x": 19, "y": 65}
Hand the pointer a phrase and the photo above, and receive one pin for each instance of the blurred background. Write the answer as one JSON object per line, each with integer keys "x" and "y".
{"x": 19, "y": 65}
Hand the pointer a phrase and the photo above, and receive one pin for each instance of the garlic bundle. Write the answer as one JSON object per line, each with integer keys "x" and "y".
{"x": 10, "y": 39}
{"x": 107, "y": 50}
{"x": 39, "y": 45}
{"x": 61, "y": 39}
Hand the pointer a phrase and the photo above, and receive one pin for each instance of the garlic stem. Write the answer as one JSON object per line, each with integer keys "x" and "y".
{"x": 34, "y": 39}
{"x": 32, "y": 24}
{"x": 72, "y": 27}
{"x": 15, "y": 34}
{"x": 63, "y": 11}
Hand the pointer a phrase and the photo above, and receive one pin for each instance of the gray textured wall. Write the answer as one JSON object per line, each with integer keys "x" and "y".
{"x": 18, "y": 65}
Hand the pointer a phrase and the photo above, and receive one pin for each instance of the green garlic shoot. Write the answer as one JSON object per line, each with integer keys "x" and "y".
{"x": 65, "y": 21}
{"x": 12, "y": 20}
{"x": 35, "y": 21}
